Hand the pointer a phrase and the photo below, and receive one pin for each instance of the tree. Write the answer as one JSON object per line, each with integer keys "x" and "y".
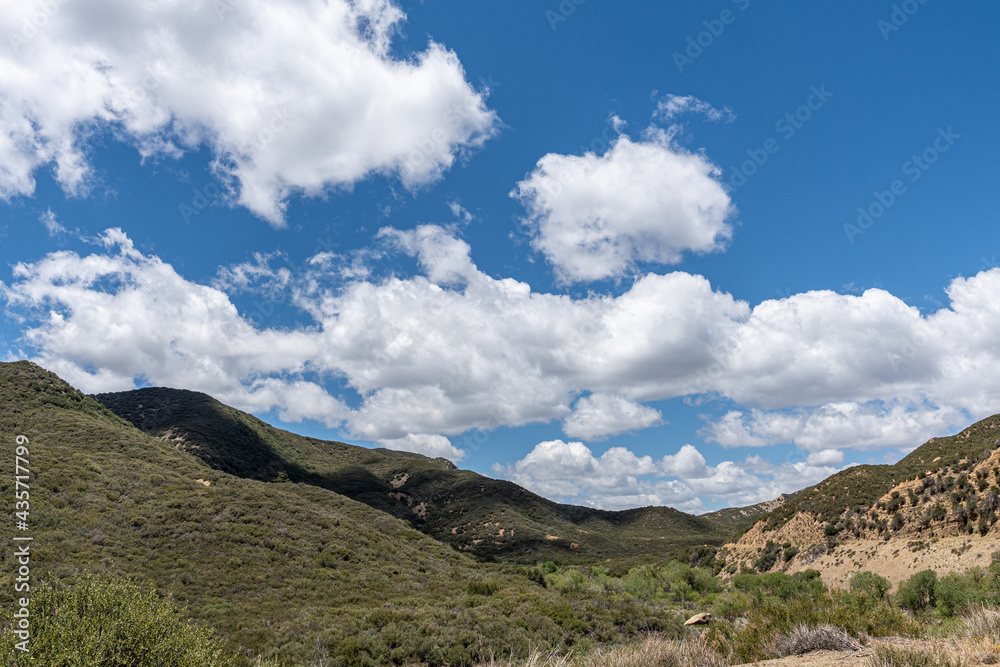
{"x": 917, "y": 592}
{"x": 992, "y": 501}
{"x": 873, "y": 584}
{"x": 954, "y": 593}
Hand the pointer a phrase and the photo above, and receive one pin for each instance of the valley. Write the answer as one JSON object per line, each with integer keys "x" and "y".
{"x": 292, "y": 550}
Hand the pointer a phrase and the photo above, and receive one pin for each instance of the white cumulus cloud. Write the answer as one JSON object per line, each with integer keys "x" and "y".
{"x": 600, "y": 415}
{"x": 595, "y": 216}
{"x": 427, "y": 444}
{"x": 291, "y": 97}
{"x": 619, "y": 478}
{"x": 452, "y": 349}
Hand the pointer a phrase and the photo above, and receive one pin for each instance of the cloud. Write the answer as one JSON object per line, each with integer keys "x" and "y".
{"x": 836, "y": 426}
{"x": 600, "y": 415}
{"x": 51, "y": 223}
{"x": 688, "y": 462}
{"x": 671, "y": 106}
{"x": 459, "y": 211}
{"x": 429, "y": 445}
{"x": 826, "y": 457}
{"x": 595, "y": 217}
{"x": 290, "y": 97}
{"x": 255, "y": 274}
{"x": 452, "y": 349}
{"x": 445, "y": 258}
{"x": 115, "y": 318}
{"x": 619, "y": 478}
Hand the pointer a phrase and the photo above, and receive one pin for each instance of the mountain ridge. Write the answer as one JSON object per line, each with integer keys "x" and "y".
{"x": 488, "y": 517}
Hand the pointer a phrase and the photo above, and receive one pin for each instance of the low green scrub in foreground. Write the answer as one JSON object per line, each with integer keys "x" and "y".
{"x": 100, "y": 620}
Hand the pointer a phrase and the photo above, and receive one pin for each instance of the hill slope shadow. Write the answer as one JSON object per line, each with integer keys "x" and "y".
{"x": 488, "y": 517}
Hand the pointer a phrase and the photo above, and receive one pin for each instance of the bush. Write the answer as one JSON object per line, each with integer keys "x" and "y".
{"x": 482, "y": 587}
{"x": 802, "y": 585}
{"x": 641, "y": 583}
{"x": 917, "y": 592}
{"x": 804, "y": 639}
{"x": 870, "y": 583}
{"x": 768, "y": 557}
{"x": 113, "y": 623}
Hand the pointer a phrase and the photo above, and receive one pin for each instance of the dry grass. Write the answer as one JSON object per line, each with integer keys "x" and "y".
{"x": 982, "y": 630}
{"x": 536, "y": 659}
{"x": 651, "y": 652}
{"x": 983, "y": 624}
{"x": 804, "y": 639}
{"x": 886, "y": 655}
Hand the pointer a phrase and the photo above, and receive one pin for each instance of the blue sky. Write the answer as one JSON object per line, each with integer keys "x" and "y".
{"x": 694, "y": 254}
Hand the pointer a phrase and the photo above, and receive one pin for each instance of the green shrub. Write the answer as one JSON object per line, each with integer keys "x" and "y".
{"x": 917, "y": 592}
{"x": 768, "y": 557}
{"x": 98, "y": 620}
{"x": 870, "y": 583}
{"x": 642, "y": 583}
{"x": 482, "y": 587}
{"x": 952, "y": 593}
{"x": 802, "y": 585}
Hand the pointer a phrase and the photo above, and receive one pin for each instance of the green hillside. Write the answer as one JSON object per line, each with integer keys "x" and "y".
{"x": 487, "y": 517}
{"x": 738, "y": 519}
{"x": 291, "y": 570}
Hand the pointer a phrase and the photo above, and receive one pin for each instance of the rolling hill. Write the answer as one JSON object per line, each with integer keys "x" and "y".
{"x": 490, "y": 518}
{"x": 291, "y": 570}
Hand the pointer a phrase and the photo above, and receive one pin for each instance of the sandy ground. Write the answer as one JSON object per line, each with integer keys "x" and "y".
{"x": 819, "y": 659}
{"x": 900, "y": 559}
{"x": 896, "y": 560}
{"x": 860, "y": 658}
